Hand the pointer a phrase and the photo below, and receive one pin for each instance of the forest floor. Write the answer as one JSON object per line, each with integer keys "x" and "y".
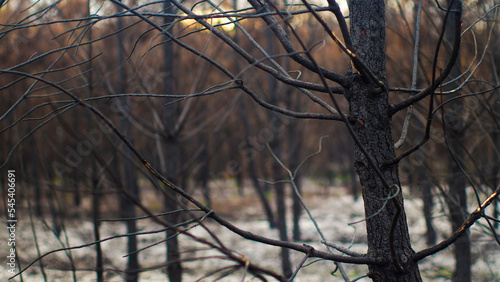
{"x": 332, "y": 207}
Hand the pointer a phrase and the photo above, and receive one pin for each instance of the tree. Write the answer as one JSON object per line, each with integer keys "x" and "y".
{"x": 456, "y": 141}
{"x": 370, "y": 115}
{"x": 362, "y": 100}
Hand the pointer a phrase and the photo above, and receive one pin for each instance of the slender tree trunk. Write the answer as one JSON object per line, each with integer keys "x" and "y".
{"x": 128, "y": 173}
{"x": 294, "y": 139}
{"x": 279, "y": 188}
{"x": 96, "y": 196}
{"x": 252, "y": 169}
{"x": 495, "y": 175}
{"x": 296, "y": 210}
{"x": 428, "y": 199}
{"x": 277, "y": 170}
{"x": 205, "y": 176}
{"x": 172, "y": 153}
{"x": 372, "y": 125}
{"x": 96, "y": 217}
{"x": 36, "y": 184}
{"x": 457, "y": 197}
{"x": 127, "y": 206}
{"x": 294, "y": 134}
{"x": 239, "y": 184}
{"x": 251, "y": 152}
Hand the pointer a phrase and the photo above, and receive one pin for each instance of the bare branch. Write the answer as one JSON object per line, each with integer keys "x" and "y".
{"x": 473, "y": 217}
{"x": 444, "y": 74}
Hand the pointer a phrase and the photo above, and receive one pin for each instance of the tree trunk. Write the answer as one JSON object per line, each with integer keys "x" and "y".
{"x": 205, "y": 176}
{"x": 294, "y": 145}
{"x": 128, "y": 173}
{"x": 127, "y": 206}
{"x": 249, "y": 151}
{"x": 494, "y": 176}
{"x": 277, "y": 170}
{"x": 296, "y": 209}
{"x": 281, "y": 209}
{"x": 351, "y": 174}
{"x": 172, "y": 153}
{"x": 96, "y": 196}
{"x": 294, "y": 136}
{"x": 36, "y": 184}
{"x": 99, "y": 261}
{"x": 372, "y": 125}
{"x": 427, "y": 197}
{"x": 457, "y": 197}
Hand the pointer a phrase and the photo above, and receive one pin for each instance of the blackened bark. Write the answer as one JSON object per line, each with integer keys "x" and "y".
{"x": 457, "y": 205}
{"x": 351, "y": 173}
{"x": 296, "y": 209}
{"x": 372, "y": 125}
{"x": 457, "y": 197}
{"x": 99, "y": 263}
{"x": 252, "y": 169}
{"x": 205, "y": 176}
{"x": 494, "y": 175}
{"x": 172, "y": 154}
{"x": 96, "y": 196}
{"x": 281, "y": 210}
{"x": 251, "y": 152}
{"x": 127, "y": 207}
{"x": 294, "y": 141}
{"x": 428, "y": 199}
{"x": 277, "y": 170}
{"x": 36, "y": 184}
{"x": 127, "y": 169}
{"x": 294, "y": 144}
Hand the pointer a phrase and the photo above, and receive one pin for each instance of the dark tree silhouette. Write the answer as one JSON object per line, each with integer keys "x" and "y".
{"x": 180, "y": 73}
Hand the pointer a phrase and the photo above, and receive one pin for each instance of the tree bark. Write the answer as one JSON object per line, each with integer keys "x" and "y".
{"x": 457, "y": 197}
{"x": 277, "y": 171}
{"x": 172, "y": 153}
{"x": 372, "y": 125}
{"x": 428, "y": 199}
{"x": 249, "y": 151}
{"x": 127, "y": 169}
{"x": 281, "y": 209}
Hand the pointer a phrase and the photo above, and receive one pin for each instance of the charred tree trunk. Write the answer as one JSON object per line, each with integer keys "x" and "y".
{"x": 127, "y": 169}
{"x": 36, "y": 184}
{"x": 99, "y": 263}
{"x": 455, "y": 133}
{"x": 172, "y": 153}
{"x": 96, "y": 196}
{"x": 296, "y": 209}
{"x": 249, "y": 151}
{"x": 279, "y": 189}
{"x": 205, "y": 176}
{"x": 494, "y": 176}
{"x": 294, "y": 134}
{"x": 428, "y": 199}
{"x": 350, "y": 174}
{"x": 277, "y": 170}
{"x": 250, "y": 154}
{"x": 387, "y": 227}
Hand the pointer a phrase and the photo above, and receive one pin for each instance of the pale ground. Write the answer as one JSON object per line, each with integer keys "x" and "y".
{"x": 333, "y": 209}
